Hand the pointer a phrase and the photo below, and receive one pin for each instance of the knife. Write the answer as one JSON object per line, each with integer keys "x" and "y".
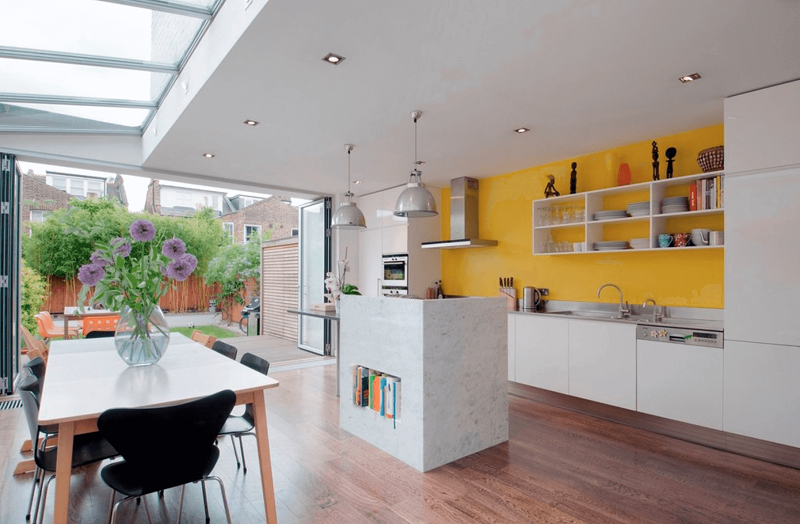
{"x": 511, "y": 282}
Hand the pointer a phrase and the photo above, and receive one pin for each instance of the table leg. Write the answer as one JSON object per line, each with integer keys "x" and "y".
{"x": 338, "y": 352}
{"x": 264, "y": 459}
{"x": 66, "y": 433}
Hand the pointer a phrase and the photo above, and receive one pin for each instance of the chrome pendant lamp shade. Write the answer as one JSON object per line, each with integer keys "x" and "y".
{"x": 348, "y": 216}
{"x": 415, "y": 201}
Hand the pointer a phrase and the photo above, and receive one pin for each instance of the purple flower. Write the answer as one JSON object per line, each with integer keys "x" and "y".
{"x": 98, "y": 260}
{"x": 181, "y": 267}
{"x": 123, "y": 250}
{"x": 143, "y": 230}
{"x": 91, "y": 274}
{"x": 173, "y": 248}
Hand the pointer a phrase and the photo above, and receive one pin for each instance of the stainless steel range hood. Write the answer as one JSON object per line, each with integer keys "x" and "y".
{"x": 463, "y": 217}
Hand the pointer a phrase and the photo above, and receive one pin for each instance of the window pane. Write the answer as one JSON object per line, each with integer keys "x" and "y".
{"x": 48, "y": 116}
{"x": 77, "y": 187}
{"x": 89, "y": 27}
{"x": 95, "y": 185}
{"x": 58, "y": 182}
{"x": 37, "y": 216}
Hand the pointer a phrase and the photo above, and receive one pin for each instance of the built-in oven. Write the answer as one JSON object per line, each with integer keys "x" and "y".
{"x": 395, "y": 274}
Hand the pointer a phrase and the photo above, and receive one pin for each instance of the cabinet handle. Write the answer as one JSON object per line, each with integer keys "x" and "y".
{"x": 379, "y": 287}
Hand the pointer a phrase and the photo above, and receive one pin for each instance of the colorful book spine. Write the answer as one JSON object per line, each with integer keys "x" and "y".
{"x": 693, "y": 196}
{"x": 364, "y": 387}
{"x": 392, "y": 397}
{"x": 376, "y": 393}
{"x": 712, "y": 193}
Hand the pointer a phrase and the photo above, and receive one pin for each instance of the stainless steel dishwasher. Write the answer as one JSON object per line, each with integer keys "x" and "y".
{"x": 679, "y": 374}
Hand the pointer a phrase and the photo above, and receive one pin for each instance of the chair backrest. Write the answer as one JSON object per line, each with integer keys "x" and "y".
{"x": 36, "y": 368}
{"x": 255, "y": 362}
{"x": 28, "y": 391}
{"x": 172, "y": 445}
{"x": 47, "y": 319}
{"x": 41, "y": 323}
{"x": 105, "y": 323}
{"x": 206, "y": 340}
{"x": 31, "y": 342}
{"x": 223, "y": 348}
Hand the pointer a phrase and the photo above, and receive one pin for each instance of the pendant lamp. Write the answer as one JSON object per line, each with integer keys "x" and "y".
{"x": 415, "y": 201}
{"x": 348, "y": 216}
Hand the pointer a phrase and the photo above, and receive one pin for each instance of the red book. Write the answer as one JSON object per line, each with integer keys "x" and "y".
{"x": 693, "y": 196}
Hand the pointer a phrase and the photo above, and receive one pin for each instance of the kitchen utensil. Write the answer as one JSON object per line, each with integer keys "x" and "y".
{"x": 700, "y": 237}
{"x": 682, "y": 239}
{"x": 665, "y": 240}
{"x": 716, "y": 238}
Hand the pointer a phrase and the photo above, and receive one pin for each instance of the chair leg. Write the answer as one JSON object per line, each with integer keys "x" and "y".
{"x": 241, "y": 447}
{"x": 36, "y": 474}
{"x": 147, "y": 511}
{"x": 235, "y": 453}
{"x": 111, "y": 507}
{"x": 224, "y": 497}
{"x": 205, "y": 500}
{"x": 43, "y": 496}
{"x": 180, "y": 504}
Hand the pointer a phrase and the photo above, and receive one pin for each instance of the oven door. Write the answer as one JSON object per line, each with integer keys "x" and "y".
{"x": 395, "y": 270}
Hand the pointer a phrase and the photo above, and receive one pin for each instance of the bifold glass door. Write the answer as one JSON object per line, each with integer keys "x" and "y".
{"x": 315, "y": 255}
{"x": 9, "y": 272}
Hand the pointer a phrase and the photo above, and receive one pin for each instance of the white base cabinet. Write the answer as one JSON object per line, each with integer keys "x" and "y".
{"x": 762, "y": 396}
{"x": 680, "y": 382}
{"x": 602, "y": 362}
{"x": 542, "y": 352}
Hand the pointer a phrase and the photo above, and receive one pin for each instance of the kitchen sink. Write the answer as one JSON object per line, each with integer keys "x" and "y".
{"x": 638, "y": 319}
{"x": 588, "y": 314}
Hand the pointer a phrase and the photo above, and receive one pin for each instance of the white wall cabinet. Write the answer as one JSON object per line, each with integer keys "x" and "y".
{"x": 680, "y": 382}
{"x": 542, "y": 352}
{"x": 602, "y": 362}
{"x": 762, "y": 397}
{"x": 369, "y": 274}
{"x": 762, "y": 129}
{"x": 512, "y": 348}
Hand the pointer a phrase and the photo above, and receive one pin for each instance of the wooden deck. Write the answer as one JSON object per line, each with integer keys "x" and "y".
{"x": 277, "y": 351}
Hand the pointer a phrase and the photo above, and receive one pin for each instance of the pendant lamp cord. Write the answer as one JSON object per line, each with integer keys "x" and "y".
{"x": 349, "y": 193}
{"x": 415, "y": 144}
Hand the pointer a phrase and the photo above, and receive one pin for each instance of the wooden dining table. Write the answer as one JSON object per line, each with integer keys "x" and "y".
{"x": 86, "y": 377}
{"x": 73, "y": 313}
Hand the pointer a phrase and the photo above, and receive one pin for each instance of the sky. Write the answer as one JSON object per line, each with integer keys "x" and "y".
{"x": 135, "y": 187}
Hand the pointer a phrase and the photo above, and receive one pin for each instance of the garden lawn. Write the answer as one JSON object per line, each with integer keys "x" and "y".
{"x": 206, "y": 330}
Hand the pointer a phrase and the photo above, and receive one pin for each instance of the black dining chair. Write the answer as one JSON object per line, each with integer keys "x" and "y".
{"x": 86, "y": 448}
{"x": 225, "y": 349}
{"x": 242, "y": 425}
{"x": 164, "y": 447}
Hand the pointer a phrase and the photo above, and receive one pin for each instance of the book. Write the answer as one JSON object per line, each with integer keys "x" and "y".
{"x": 693, "y": 196}
{"x": 392, "y": 394}
{"x": 364, "y": 386}
{"x": 712, "y": 193}
{"x": 376, "y": 402}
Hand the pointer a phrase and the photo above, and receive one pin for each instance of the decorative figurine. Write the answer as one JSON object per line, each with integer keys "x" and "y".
{"x": 550, "y": 190}
{"x": 670, "y": 154}
{"x": 655, "y": 161}
{"x": 573, "y": 179}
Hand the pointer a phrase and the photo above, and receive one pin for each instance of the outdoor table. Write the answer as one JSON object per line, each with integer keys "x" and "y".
{"x": 72, "y": 313}
{"x": 86, "y": 377}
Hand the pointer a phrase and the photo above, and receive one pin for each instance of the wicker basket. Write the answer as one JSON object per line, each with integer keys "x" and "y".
{"x": 711, "y": 159}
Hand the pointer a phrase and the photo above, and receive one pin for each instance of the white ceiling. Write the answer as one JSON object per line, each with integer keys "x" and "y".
{"x": 584, "y": 75}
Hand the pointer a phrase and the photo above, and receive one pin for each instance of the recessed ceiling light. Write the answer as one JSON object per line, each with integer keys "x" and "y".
{"x": 208, "y": 155}
{"x": 689, "y": 78}
{"x": 251, "y": 123}
{"x": 333, "y": 59}
{"x": 521, "y": 130}
{"x": 356, "y": 181}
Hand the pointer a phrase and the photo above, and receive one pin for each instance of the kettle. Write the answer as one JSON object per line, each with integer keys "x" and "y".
{"x": 531, "y": 299}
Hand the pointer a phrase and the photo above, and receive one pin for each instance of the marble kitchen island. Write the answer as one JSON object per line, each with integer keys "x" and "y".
{"x": 451, "y": 357}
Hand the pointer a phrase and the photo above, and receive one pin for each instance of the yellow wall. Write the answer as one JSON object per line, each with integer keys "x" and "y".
{"x": 672, "y": 278}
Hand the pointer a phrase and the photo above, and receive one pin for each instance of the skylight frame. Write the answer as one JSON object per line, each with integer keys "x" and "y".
{"x": 194, "y": 10}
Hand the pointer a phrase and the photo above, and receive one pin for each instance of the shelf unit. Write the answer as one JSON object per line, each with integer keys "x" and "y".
{"x": 575, "y": 214}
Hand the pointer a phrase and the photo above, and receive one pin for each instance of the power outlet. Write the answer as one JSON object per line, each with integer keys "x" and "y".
{"x": 544, "y": 291}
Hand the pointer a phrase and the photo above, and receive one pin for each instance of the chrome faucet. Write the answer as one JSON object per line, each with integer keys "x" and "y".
{"x": 656, "y": 309}
{"x": 624, "y": 307}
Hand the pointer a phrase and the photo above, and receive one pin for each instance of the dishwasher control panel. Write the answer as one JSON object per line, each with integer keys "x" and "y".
{"x": 691, "y": 337}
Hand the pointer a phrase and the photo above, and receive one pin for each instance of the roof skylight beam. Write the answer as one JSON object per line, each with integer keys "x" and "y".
{"x": 22, "y": 98}
{"x": 70, "y": 131}
{"x": 177, "y": 8}
{"x": 88, "y": 60}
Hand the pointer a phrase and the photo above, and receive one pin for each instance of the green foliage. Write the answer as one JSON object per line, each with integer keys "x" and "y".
{"x": 233, "y": 265}
{"x": 66, "y": 239}
{"x": 33, "y": 289}
{"x": 350, "y": 289}
{"x": 206, "y": 330}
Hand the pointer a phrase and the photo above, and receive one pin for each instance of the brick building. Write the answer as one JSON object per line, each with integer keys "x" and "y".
{"x": 178, "y": 201}
{"x": 39, "y": 200}
{"x": 270, "y": 214}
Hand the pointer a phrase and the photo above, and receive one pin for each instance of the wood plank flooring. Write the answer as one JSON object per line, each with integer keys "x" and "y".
{"x": 558, "y": 467}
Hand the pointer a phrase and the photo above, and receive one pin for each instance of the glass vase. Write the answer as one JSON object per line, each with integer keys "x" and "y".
{"x": 141, "y": 337}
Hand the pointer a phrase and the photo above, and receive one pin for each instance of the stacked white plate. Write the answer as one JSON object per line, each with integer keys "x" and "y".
{"x": 675, "y": 205}
{"x": 639, "y": 209}
{"x": 640, "y": 243}
{"x": 610, "y": 245}
{"x": 611, "y": 214}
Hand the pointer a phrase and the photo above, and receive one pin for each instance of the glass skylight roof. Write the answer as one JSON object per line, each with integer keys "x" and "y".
{"x": 93, "y": 65}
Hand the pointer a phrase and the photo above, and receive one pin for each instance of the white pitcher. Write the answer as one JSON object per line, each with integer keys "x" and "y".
{"x": 700, "y": 237}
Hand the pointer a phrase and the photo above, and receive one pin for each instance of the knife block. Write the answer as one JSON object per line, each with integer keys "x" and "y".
{"x": 510, "y": 294}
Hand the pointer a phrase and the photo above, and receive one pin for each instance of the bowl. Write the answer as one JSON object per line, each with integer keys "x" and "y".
{"x": 711, "y": 159}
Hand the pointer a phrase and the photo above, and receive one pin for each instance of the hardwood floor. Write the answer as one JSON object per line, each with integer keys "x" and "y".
{"x": 277, "y": 351}
{"x": 558, "y": 467}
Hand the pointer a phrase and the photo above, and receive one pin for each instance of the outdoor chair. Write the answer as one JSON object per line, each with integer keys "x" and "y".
{"x": 225, "y": 349}
{"x": 48, "y": 330}
{"x": 243, "y": 425}
{"x": 35, "y": 347}
{"x": 164, "y": 447}
{"x": 87, "y": 448}
{"x": 100, "y": 326}
{"x": 206, "y": 340}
